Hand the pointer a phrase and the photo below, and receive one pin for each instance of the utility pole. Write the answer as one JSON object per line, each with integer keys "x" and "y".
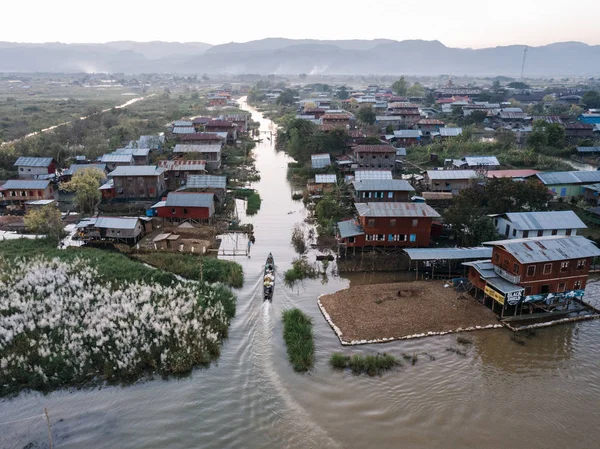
{"x": 49, "y": 428}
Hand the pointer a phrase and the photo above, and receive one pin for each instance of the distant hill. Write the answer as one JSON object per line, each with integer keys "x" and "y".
{"x": 292, "y": 56}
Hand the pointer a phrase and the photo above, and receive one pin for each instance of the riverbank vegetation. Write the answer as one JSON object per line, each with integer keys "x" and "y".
{"x": 373, "y": 365}
{"x": 300, "y": 270}
{"x": 298, "y": 337}
{"x": 84, "y": 316}
{"x": 298, "y": 239}
{"x": 253, "y": 205}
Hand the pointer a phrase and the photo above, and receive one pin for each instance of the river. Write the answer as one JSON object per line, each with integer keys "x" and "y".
{"x": 542, "y": 394}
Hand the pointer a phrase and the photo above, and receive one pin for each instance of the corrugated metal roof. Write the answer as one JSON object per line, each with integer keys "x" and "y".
{"x": 320, "y": 160}
{"x": 475, "y": 161}
{"x": 349, "y": 228}
{"x": 416, "y": 210}
{"x": 511, "y": 173}
{"x": 186, "y": 123}
{"x": 451, "y": 174}
{"x": 481, "y": 252}
{"x": 137, "y": 170}
{"x": 383, "y": 148}
{"x": 17, "y": 184}
{"x": 39, "y": 202}
{"x": 450, "y": 132}
{"x": 79, "y": 167}
{"x": 184, "y": 130}
{"x": 394, "y": 185}
{"x": 548, "y": 249}
{"x": 188, "y": 199}
{"x": 569, "y": 177}
{"x": 115, "y": 158}
{"x": 588, "y": 149}
{"x": 24, "y": 161}
{"x": 203, "y": 181}
{"x": 110, "y": 184}
{"x": 116, "y": 222}
{"x": 408, "y": 134}
{"x": 133, "y": 151}
{"x": 325, "y": 179}
{"x": 183, "y": 165}
{"x": 537, "y": 221}
{"x": 151, "y": 141}
{"x": 400, "y": 151}
{"x": 181, "y": 148}
{"x": 198, "y": 137}
{"x": 360, "y": 175}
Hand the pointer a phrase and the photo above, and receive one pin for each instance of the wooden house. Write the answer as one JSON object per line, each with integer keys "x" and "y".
{"x": 207, "y": 184}
{"x": 141, "y": 156}
{"x": 579, "y": 130}
{"x": 186, "y": 206}
{"x": 407, "y": 137}
{"x": 113, "y": 160}
{"x": 211, "y": 154}
{"x": 223, "y": 126}
{"x": 202, "y": 139}
{"x": 17, "y": 192}
{"x": 408, "y": 112}
{"x": 375, "y": 156}
{"x": 567, "y": 184}
{"x": 537, "y": 224}
{"x": 389, "y": 225}
{"x": 178, "y": 171}
{"x": 138, "y": 182}
{"x": 427, "y": 126}
{"x": 321, "y": 184}
{"x": 382, "y": 190}
{"x": 118, "y": 229}
{"x": 35, "y": 167}
{"x": 449, "y": 180}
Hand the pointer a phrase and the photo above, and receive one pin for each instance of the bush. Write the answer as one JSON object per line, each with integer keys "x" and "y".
{"x": 298, "y": 336}
{"x": 372, "y": 365}
{"x": 339, "y": 361}
{"x": 301, "y": 269}
{"x": 298, "y": 240}
{"x": 253, "y": 204}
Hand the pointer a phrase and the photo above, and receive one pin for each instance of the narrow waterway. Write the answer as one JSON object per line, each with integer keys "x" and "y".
{"x": 540, "y": 394}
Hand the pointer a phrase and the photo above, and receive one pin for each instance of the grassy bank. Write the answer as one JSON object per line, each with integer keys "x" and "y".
{"x": 298, "y": 336}
{"x": 196, "y": 268}
{"x": 372, "y": 365}
{"x": 79, "y": 317}
{"x": 301, "y": 269}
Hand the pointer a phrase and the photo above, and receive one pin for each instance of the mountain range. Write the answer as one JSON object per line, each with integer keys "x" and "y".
{"x": 295, "y": 56}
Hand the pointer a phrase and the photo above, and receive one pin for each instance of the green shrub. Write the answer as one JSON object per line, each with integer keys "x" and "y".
{"x": 372, "y": 365}
{"x": 253, "y": 204}
{"x": 339, "y": 361}
{"x": 298, "y": 336}
{"x": 301, "y": 269}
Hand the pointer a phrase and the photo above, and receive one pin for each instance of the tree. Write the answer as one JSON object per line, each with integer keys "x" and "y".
{"x": 538, "y": 138}
{"x": 575, "y": 111}
{"x": 549, "y": 98}
{"x": 389, "y": 129}
{"x": 400, "y": 87}
{"x": 555, "y": 135}
{"x": 342, "y": 93}
{"x": 518, "y": 85}
{"x": 85, "y": 184}
{"x": 514, "y": 103}
{"x": 591, "y": 99}
{"x": 287, "y": 97}
{"x": 45, "y": 220}
{"x": 416, "y": 90}
{"x": 366, "y": 115}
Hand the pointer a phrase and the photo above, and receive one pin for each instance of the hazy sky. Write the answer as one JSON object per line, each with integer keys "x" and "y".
{"x": 458, "y": 23}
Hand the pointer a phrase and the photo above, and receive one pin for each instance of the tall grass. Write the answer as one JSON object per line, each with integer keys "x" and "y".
{"x": 253, "y": 204}
{"x": 372, "y": 365}
{"x": 301, "y": 269}
{"x": 298, "y": 336}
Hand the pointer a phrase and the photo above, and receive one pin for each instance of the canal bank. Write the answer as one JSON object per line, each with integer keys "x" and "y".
{"x": 500, "y": 394}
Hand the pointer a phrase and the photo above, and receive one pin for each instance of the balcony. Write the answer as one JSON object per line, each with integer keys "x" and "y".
{"x": 506, "y": 275}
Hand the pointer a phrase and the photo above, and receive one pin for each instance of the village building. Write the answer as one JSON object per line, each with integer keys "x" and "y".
{"x": 408, "y": 112}
{"x": 319, "y": 161}
{"x": 568, "y": 184}
{"x": 381, "y": 190}
{"x": 35, "y": 167}
{"x": 429, "y": 126}
{"x": 177, "y": 171}
{"x": 113, "y": 161}
{"x": 321, "y": 184}
{"x": 512, "y": 117}
{"x": 17, "y": 192}
{"x": 203, "y": 139}
{"x": 223, "y": 126}
{"x": 209, "y": 153}
{"x": 336, "y": 120}
{"x": 360, "y": 175}
{"x": 591, "y": 118}
{"x": 240, "y": 121}
{"x": 477, "y": 163}
{"x": 138, "y": 182}
{"x": 407, "y": 137}
{"x": 516, "y": 175}
{"x": 153, "y": 142}
{"x": 199, "y": 123}
{"x": 449, "y": 180}
{"x": 207, "y": 183}
{"x": 117, "y": 229}
{"x": 192, "y": 207}
{"x": 537, "y": 276}
{"x": 579, "y": 130}
{"x": 375, "y": 156}
{"x": 141, "y": 156}
{"x": 182, "y": 127}
{"x": 388, "y": 224}
{"x": 317, "y": 113}
{"x": 383, "y": 121}
{"x": 537, "y": 224}
{"x": 449, "y": 133}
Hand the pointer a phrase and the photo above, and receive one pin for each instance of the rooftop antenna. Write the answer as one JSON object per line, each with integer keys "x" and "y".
{"x": 523, "y": 64}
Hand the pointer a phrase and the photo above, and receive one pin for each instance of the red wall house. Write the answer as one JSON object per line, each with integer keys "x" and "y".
{"x": 179, "y": 206}
{"x": 20, "y": 191}
{"x": 390, "y": 224}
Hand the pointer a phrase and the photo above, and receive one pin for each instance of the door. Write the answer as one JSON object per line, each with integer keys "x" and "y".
{"x": 563, "y": 191}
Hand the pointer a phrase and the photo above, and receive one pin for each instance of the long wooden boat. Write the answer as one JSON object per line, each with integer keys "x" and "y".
{"x": 269, "y": 278}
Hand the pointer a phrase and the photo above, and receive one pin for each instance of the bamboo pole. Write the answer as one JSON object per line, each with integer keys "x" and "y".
{"x": 49, "y": 429}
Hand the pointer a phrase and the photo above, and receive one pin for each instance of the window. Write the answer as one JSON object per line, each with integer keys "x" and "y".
{"x": 21, "y": 169}
{"x": 371, "y": 222}
{"x": 514, "y": 232}
{"x": 173, "y": 211}
{"x": 554, "y": 232}
{"x": 364, "y": 194}
{"x": 507, "y": 230}
{"x": 564, "y": 266}
{"x": 516, "y": 268}
{"x": 562, "y": 286}
{"x": 370, "y": 237}
{"x": 351, "y": 239}
{"x": 373, "y": 156}
{"x": 544, "y": 289}
{"x": 568, "y": 232}
{"x": 415, "y": 223}
{"x": 381, "y": 237}
{"x": 540, "y": 233}
{"x": 525, "y": 234}
{"x": 413, "y": 237}
{"x": 390, "y": 237}
{"x": 184, "y": 210}
{"x": 39, "y": 193}
{"x": 497, "y": 257}
{"x": 390, "y": 194}
{"x": 369, "y": 195}
{"x": 577, "y": 285}
{"x": 386, "y": 156}
{"x": 531, "y": 270}
{"x": 393, "y": 223}
{"x": 362, "y": 156}
{"x": 13, "y": 193}
{"x": 495, "y": 222}
{"x": 23, "y": 193}
{"x": 547, "y": 268}
{"x": 527, "y": 291}
{"x": 581, "y": 264}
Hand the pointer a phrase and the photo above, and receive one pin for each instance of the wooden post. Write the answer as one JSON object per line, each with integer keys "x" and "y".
{"x": 432, "y": 269}
{"x": 417, "y": 276}
{"x": 49, "y": 429}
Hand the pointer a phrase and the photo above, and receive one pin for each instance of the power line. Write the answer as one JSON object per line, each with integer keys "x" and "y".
{"x": 20, "y": 420}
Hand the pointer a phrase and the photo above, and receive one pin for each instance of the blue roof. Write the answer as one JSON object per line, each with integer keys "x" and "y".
{"x": 17, "y": 184}
{"x": 33, "y": 161}
{"x": 349, "y": 228}
{"x": 569, "y": 177}
{"x": 179, "y": 199}
{"x": 320, "y": 160}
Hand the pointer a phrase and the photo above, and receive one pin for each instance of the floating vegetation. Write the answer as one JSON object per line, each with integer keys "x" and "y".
{"x": 298, "y": 336}
{"x": 456, "y": 351}
{"x": 301, "y": 269}
{"x": 372, "y": 365}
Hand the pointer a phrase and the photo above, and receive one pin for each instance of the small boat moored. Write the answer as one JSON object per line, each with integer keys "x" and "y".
{"x": 269, "y": 278}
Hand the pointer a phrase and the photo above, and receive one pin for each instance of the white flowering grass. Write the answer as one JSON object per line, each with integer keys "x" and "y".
{"x": 62, "y": 324}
